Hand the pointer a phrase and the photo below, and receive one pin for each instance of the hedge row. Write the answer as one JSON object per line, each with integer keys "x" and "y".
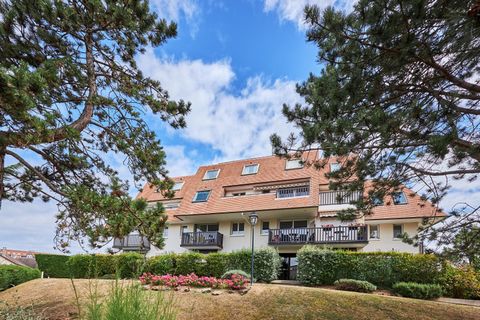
{"x": 267, "y": 263}
{"x": 53, "y": 265}
{"x": 14, "y": 275}
{"x": 318, "y": 266}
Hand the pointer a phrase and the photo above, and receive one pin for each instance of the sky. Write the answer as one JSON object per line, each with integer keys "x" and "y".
{"x": 237, "y": 62}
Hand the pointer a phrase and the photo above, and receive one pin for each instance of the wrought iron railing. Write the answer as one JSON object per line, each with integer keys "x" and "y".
{"x": 202, "y": 239}
{"x": 293, "y": 192}
{"x": 322, "y": 235}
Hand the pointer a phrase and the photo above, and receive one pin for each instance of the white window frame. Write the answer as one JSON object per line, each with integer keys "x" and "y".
{"x": 205, "y": 176}
{"x": 176, "y": 186}
{"x": 393, "y": 230}
{"x": 165, "y": 232}
{"x": 294, "y": 164}
{"x": 238, "y": 232}
{"x": 264, "y": 232}
{"x": 404, "y": 197}
{"x": 335, "y": 166}
{"x": 370, "y": 232}
{"x": 256, "y": 165}
{"x": 201, "y": 191}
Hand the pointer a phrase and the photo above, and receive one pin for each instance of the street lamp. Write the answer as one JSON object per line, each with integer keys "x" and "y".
{"x": 253, "y": 221}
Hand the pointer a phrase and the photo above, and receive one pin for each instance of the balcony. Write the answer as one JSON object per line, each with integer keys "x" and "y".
{"x": 132, "y": 242}
{"x": 338, "y": 197}
{"x": 323, "y": 235}
{"x": 293, "y": 192}
{"x": 204, "y": 240}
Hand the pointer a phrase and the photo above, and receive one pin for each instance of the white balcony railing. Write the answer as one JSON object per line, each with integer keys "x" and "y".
{"x": 339, "y": 197}
{"x": 293, "y": 192}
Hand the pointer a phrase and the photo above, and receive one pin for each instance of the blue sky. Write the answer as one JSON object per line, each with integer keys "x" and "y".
{"x": 237, "y": 62}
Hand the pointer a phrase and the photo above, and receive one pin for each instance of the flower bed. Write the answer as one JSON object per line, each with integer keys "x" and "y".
{"x": 236, "y": 282}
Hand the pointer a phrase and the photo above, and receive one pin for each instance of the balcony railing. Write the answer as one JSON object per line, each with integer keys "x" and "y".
{"x": 202, "y": 239}
{"x": 323, "y": 235}
{"x": 338, "y": 197}
{"x": 132, "y": 242}
{"x": 293, "y": 192}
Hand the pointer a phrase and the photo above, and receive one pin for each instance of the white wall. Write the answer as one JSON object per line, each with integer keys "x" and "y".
{"x": 388, "y": 243}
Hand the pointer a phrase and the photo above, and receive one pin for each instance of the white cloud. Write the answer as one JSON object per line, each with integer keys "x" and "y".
{"x": 292, "y": 10}
{"x": 237, "y": 125}
{"x": 175, "y": 9}
{"x": 178, "y": 162}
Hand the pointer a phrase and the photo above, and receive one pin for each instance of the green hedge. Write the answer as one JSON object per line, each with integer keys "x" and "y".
{"x": 267, "y": 263}
{"x": 124, "y": 265}
{"x": 53, "y": 265}
{"x": 354, "y": 285}
{"x": 318, "y": 266}
{"x": 461, "y": 282}
{"x": 14, "y": 275}
{"x": 418, "y": 290}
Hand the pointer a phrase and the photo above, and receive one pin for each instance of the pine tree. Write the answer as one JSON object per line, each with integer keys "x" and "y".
{"x": 397, "y": 98}
{"x": 71, "y": 96}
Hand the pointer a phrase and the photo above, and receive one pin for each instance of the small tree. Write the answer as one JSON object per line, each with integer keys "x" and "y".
{"x": 71, "y": 97}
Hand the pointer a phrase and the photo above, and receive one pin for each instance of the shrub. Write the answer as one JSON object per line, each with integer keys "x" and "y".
{"x": 128, "y": 265}
{"x": 215, "y": 264}
{"x": 189, "y": 262}
{"x": 354, "y": 285}
{"x": 462, "y": 282}
{"x": 418, "y": 290}
{"x": 81, "y": 266}
{"x": 317, "y": 266}
{"x": 267, "y": 264}
{"x": 162, "y": 264}
{"x": 235, "y": 282}
{"x": 230, "y": 273}
{"x": 14, "y": 275}
{"x": 53, "y": 265}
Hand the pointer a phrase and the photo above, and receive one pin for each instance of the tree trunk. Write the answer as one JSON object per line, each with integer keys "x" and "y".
{"x": 2, "y": 173}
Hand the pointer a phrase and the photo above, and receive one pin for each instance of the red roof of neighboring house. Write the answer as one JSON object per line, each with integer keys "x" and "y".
{"x": 271, "y": 171}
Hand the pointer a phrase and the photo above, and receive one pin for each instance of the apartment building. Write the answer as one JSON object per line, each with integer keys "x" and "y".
{"x": 210, "y": 211}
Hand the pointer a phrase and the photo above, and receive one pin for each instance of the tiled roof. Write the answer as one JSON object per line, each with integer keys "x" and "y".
{"x": 271, "y": 171}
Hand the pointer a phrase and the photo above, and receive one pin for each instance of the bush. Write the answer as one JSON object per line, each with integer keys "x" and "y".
{"x": 189, "y": 262}
{"x": 14, "y": 275}
{"x": 267, "y": 264}
{"x": 354, "y": 285}
{"x": 128, "y": 265}
{"x": 81, "y": 266}
{"x": 462, "y": 282}
{"x": 162, "y": 264}
{"x": 317, "y": 266}
{"x": 216, "y": 264}
{"x": 230, "y": 273}
{"x": 53, "y": 265}
{"x": 418, "y": 290}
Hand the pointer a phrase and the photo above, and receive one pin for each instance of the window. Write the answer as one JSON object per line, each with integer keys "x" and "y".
{"x": 171, "y": 205}
{"x": 397, "y": 231}
{"x": 335, "y": 167}
{"x": 265, "y": 191}
{"x": 238, "y": 194}
{"x": 293, "y": 192}
{"x": 293, "y": 224}
{"x": 211, "y": 174}
{"x": 377, "y": 201}
{"x": 250, "y": 169}
{"x": 399, "y": 198}
{"x": 165, "y": 232}
{"x": 238, "y": 228}
{"x": 265, "y": 228}
{"x": 177, "y": 186}
{"x": 206, "y": 227}
{"x": 374, "y": 231}
{"x": 201, "y": 196}
{"x": 293, "y": 164}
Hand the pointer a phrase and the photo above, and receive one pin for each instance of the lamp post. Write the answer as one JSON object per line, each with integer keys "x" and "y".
{"x": 253, "y": 221}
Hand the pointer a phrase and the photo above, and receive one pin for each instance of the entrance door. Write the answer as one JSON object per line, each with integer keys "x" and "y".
{"x": 288, "y": 270}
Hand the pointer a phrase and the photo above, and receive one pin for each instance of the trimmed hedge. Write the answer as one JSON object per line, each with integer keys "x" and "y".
{"x": 267, "y": 263}
{"x": 124, "y": 265}
{"x": 354, "y": 285}
{"x": 14, "y": 275}
{"x": 418, "y": 290}
{"x": 318, "y": 266}
{"x": 53, "y": 265}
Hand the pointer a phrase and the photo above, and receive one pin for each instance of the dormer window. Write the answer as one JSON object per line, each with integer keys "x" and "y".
{"x": 294, "y": 164}
{"x": 399, "y": 198}
{"x": 211, "y": 174}
{"x": 177, "y": 186}
{"x": 250, "y": 169}
{"x": 335, "y": 166}
{"x": 201, "y": 196}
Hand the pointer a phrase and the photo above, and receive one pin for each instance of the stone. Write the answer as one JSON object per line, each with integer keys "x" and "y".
{"x": 216, "y": 293}
{"x": 207, "y": 290}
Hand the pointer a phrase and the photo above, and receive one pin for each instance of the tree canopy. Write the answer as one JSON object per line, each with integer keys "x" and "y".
{"x": 71, "y": 97}
{"x": 397, "y": 97}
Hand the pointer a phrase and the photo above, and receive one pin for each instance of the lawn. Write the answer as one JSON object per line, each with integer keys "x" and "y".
{"x": 55, "y": 298}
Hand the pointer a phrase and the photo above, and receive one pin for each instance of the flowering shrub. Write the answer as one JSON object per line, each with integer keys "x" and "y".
{"x": 236, "y": 282}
